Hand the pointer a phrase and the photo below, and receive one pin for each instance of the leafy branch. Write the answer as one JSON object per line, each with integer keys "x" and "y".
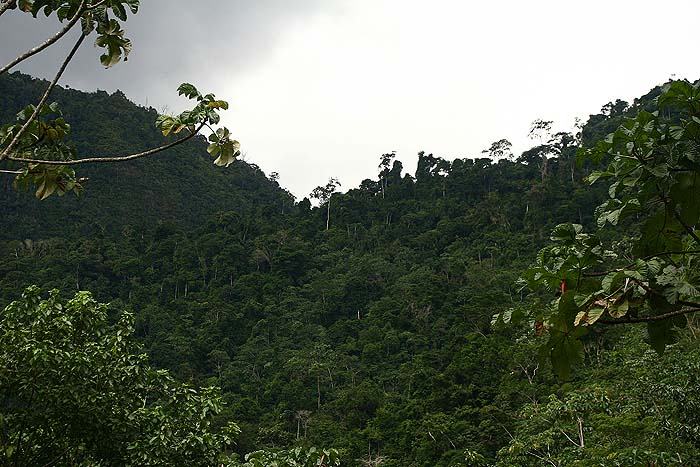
{"x": 39, "y": 141}
{"x": 653, "y": 165}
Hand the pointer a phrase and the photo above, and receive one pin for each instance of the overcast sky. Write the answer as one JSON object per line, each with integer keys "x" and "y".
{"x": 322, "y": 88}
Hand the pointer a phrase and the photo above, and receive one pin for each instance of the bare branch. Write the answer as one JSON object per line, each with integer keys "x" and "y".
{"x": 579, "y": 420}
{"x": 13, "y": 172}
{"x": 48, "y": 42}
{"x": 543, "y": 458}
{"x": 109, "y": 159}
{"x": 44, "y": 98}
{"x": 569, "y": 438}
{"x": 6, "y": 5}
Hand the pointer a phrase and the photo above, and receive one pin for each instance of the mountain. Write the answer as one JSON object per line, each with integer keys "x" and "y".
{"x": 372, "y": 336}
{"x": 180, "y": 186}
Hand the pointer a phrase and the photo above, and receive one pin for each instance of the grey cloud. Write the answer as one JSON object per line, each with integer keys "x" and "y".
{"x": 174, "y": 41}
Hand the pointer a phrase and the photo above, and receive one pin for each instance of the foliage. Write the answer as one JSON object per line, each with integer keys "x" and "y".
{"x": 324, "y": 194}
{"x": 298, "y": 457}
{"x": 371, "y": 336}
{"x": 643, "y": 411}
{"x": 646, "y": 272}
{"x": 76, "y": 391}
{"x": 500, "y": 149}
{"x": 110, "y": 125}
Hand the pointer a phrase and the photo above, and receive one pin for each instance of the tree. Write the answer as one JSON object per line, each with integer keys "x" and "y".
{"x": 324, "y": 194}
{"x": 298, "y": 457}
{"x": 385, "y": 166}
{"x": 650, "y": 272}
{"x": 501, "y": 149}
{"x": 36, "y": 150}
{"x": 541, "y": 130}
{"x": 76, "y": 391}
{"x": 634, "y": 410}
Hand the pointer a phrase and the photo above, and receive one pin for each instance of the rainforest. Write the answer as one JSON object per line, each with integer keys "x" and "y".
{"x": 164, "y": 301}
{"x": 376, "y": 327}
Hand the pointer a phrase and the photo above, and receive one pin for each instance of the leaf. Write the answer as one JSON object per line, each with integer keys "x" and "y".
{"x": 661, "y": 334}
{"x": 119, "y": 11}
{"x": 686, "y": 193}
{"x": 218, "y": 105}
{"x": 566, "y": 232}
{"x": 188, "y": 90}
{"x": 596, "y": 175}
{"x": 618, "y": 311}
{"x": 47, "y": 185}
{"x": 658, "y": 171}
{"x": 566, "y": 349}
{"x": 589, "y": 316}
{"x": 111, "y": 37}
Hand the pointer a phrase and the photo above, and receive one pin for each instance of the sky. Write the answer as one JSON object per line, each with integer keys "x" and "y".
{"x": 322, "y": 88}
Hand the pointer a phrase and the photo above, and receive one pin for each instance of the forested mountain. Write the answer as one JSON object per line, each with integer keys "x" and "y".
{"x": 173, "y": 187}
{"x": 372, "y": 336}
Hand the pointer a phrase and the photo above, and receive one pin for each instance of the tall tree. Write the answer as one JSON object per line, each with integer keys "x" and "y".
{"x": 501, "y": 149}
{"x": 324, "y": 194}
{"x": 541, "y": 131}
{"x": 385, "y": 163}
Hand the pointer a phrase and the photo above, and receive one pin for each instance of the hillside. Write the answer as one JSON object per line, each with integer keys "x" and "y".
{"x": 372, "y": 336}
{"x": 180, "y": 186}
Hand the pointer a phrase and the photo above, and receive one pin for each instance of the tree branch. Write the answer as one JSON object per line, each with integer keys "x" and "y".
{"x": 693, "y": 308}
{"x": 109, "y": 159}
{"x": 687, "y": 228}
{"x": 50, "y": 41}
{"x": 569, "y": 438}
{"x": 13, "y": 172}
{"x": 6, "y": 5}
{"x": 542, "y": 458}
{"x": 44, "y": 98}
{"x": 665, "y": 253}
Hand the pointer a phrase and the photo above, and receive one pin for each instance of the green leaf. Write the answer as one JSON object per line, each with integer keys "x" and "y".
{"x": 686, "y": 193}
{"x": 111, "y": 37}
{"x": 661, "y": 334}
{"x": 566, "y": 232}
{"x": 566, "y": 349}
{"x": 589, "y": 316}
{"x": 188, "y": 90}
{"x": 658, "y": 171}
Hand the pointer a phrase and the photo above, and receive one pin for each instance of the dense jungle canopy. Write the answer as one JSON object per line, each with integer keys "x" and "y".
{"x": 365, "y": 324}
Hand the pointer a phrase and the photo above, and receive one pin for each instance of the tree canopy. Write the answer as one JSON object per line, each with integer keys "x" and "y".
{"x": 370, "y": 333}
{"x": 646, "y": 269}
{"x": 78, "y": 391}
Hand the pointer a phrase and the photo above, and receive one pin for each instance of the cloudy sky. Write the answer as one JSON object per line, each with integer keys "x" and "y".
{"x": 322, "y": 88}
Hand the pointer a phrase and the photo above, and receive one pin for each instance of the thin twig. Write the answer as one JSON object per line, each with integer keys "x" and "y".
{"x": 13, "y": 172}
{"x": 108, "y": 159}
{"x": 580, "y": 431}
{"x": 44, "y": 98}
{"x": 48, "y": 42}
